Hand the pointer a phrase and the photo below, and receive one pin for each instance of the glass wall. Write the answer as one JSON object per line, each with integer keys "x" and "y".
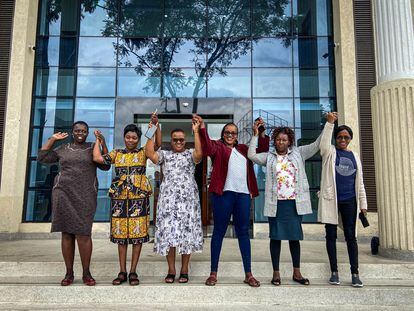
{"x": 277, "y": 53}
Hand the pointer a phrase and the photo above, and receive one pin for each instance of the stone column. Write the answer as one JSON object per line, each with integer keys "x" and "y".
{"x": 393, "y": 126}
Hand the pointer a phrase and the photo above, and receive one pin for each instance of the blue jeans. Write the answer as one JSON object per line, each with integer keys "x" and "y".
{"x": 238, "y": 205}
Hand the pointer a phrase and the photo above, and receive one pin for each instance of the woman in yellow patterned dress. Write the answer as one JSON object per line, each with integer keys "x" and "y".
{"x": 129, "y": 192}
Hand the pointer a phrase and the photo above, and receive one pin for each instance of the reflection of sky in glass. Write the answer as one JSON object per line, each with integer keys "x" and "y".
{"x": 132, "y": 84}
{"x": 185, "y": 54}
{"x": 183, "y": 86}
{"x": 99, "y": 82}
{"x": 276, "y": 108}
{"x": 316, "y": 11}
{"x": 48, "y": 83}
{"x": 235, "y": 84}
{"x": 48, "y": 52}
{"x": 40, "y": 136}
{"x": 310, "y": 111}
{"x": 97, "y": 52}
{"x": 53, "y": 26}
{"x": 272, "y": 83}
{"x": 313, "y": 83}
{"x": 46, "y": 110}
{"x": 313, "y": 52}
{"x": 93, "y": 24}
{"x": 270, "y": 52}
{"x": 95, "y": 111}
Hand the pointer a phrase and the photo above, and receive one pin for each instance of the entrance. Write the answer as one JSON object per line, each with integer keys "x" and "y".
{"x": 177, "y": 113}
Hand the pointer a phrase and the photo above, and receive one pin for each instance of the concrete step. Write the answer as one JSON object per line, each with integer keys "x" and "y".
{"x": 229, "y": 291}
{"x": 312, "y": 270}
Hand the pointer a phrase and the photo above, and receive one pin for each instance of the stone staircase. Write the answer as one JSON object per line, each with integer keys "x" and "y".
{"x": 30, "y": 271}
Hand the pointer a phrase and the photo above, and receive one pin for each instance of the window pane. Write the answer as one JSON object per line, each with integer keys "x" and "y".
{"x": 184, "y": 53}
{"x": 42, "y": 175}
{"x": 229, "y": 53}
{"x": 143, "y": 83}
{"x": 56, "y": 51}
{"x": 139, "y": 52}
{"x": 41, "y": 135}
{"x": 312, "y": 17}
{"x": 97, "y": 82}
{"x": 184, "y": 83}
{"x": 50, "y": 19}
{"x": 104, "y": 206}
{"x": 274, "y": 112}
{"x": 108, "y": 133}
{"x": 54, "y": 82}
{"x": 141, "y": 18}
{"x": 99, "y": 19}
{"x": 53, "y": 112}
{"x": 228, "y": 18}
{"x": 269, "y": 52}
{"x": 271, "y": 18}
{"x": 234, "y": 83}
{"x": 97, "y": 52}
{"x": 313, "y": 171}
{"x": 39, "y": 205}
{"x": 314, "y": 83}
{"x": 272, "y": 83}
{"x": 309, "y": 112}
{"x": 185, "y": 18}
{"x": 313, "y": 52}
{"x": 95, "y": 111}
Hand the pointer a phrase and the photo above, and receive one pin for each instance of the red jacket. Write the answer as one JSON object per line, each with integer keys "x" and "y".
{"x": 220, "y": 155}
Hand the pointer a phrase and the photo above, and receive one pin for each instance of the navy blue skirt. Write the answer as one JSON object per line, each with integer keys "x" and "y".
{"x": 287, "y": 225}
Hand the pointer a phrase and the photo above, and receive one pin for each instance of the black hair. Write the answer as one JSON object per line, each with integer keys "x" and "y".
{"x": 176, "y": 131}
{"x": 81, "y": 123}
{"x": 132, "y": 128}
{"x": 224, "y": 128}
{"x": 342, "y": 128}
{"x": 284, "y": 130}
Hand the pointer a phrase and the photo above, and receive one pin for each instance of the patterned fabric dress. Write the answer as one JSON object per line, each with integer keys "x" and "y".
{"x": 129, "y": 192}
{"x": 178, "y": 221}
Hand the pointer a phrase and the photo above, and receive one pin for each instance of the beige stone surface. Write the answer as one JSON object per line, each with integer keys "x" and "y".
{"x": 345, "y": 67}
{"x": 393, "y": 124}
{"x": 17, "y": 121}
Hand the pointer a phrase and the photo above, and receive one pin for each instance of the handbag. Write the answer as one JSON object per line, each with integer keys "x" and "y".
{"x": 363, "y": 219}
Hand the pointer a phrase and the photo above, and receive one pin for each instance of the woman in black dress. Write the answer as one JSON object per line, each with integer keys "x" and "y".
{"x": 74, "y": 195}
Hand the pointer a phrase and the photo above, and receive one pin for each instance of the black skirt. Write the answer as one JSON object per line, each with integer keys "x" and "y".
{"x": 287, "y": 225}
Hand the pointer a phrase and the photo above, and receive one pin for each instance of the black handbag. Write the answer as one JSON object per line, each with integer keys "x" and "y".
{"x": 363, "y": 219}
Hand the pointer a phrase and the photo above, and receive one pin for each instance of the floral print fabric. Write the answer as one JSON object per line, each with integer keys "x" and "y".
{"x": 286, "y": 178}
{"x": 178, "y": 222}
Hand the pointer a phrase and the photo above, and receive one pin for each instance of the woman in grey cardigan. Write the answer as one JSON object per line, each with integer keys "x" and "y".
{"x": 342, "y": 196}
{"x": 287, "y": 196}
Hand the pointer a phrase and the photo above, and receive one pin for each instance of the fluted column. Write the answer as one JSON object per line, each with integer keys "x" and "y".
{"x": 393, "y": 126}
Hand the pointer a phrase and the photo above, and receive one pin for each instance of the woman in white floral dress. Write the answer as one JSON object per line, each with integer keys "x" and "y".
{"x": 178, "y": 223}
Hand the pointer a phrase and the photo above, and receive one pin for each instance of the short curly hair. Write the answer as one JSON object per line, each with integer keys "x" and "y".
{"x": 284, "y": 130}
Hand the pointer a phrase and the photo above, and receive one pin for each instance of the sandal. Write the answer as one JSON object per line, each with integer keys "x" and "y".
{"x": 67, "y": 280}
{"x": 302, "y": 281}
{"x": 133, "y": 279}
{"x": 170, "y": 278}
{"x": 183, "y": 278}
{"x": 211, "y": 280}
{"x": 122, "y": 277}
{"x": 275, "y": 282}
{"x": 88, "y": 280}
{"x": 252, "y": 281}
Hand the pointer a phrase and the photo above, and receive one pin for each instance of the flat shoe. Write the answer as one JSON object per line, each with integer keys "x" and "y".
{"x": 170, "y": 278}
{"x": 133, "y": 279}
{"x": 121, "y": 278}
{"x": 302, "y": 281}
{"x": 211, "y": 280}
{"x": 183, "y": 278}
{"x": 89, "y": 280}
{"x": 67, "y": 280}
{"x": 251, "y": 281}
{"x": 275, "y": 282}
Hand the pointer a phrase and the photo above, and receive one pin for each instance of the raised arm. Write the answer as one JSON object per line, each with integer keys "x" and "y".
{"x": 197, "y": 153}
{"x": 158, "y": 136}
{"x": 326, "y": 140}
{"x": 97, "y": 155}
{"x": 150, "y": 151}
{"x": 46, "y": 154}
{"x": 258, "y": 158}
{"x": 209, "y": 147}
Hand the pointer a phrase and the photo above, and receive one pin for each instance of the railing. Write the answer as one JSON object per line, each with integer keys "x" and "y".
{"x": 246, "y": 122}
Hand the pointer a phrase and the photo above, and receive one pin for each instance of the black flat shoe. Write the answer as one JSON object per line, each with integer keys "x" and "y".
{"x": 121, "y": 278}
{"x": 302, "y": 281}
{"x": 133, "y": 279}
{"x": 170, "y": 278}
{"x": 275, "y": 282}
{"x": 183, "y": 278}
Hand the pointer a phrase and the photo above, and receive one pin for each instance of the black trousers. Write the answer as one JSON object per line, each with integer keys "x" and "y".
{"x": 348, "y": 212}
{"x": 294, "y": 247}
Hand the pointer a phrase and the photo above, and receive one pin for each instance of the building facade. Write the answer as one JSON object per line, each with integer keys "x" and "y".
{"x": 113, "y": 62}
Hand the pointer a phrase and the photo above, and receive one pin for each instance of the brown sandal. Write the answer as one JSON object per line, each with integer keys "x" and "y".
{"x": 121, "y": 278}
{"x": 211, "y": 281}
{"x": 252, "y": 281}
{"x": 133, "y": 279}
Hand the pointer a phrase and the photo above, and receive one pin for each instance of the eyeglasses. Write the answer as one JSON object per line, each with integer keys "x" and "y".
{"x": 346, "y": 138}
{"x": 228, "y": 134}
{"x": 178, "y": 140}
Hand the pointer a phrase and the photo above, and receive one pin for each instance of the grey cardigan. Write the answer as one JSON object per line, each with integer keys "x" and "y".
{"x": 298, "y": 155}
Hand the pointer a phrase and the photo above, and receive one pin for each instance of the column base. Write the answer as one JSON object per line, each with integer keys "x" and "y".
{"x": 396, "y": 254}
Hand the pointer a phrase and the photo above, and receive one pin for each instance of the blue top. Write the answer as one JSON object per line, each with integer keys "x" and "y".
{"x": 345, "y": 171}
